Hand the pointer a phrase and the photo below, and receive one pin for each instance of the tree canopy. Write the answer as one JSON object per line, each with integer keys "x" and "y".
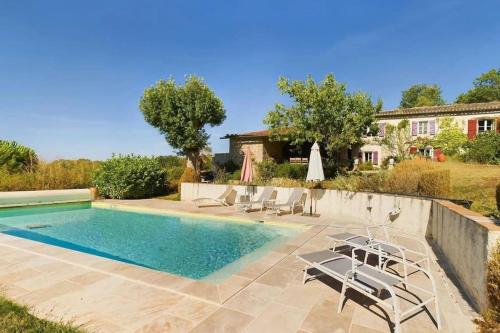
{"x": 16, "y": 158}
{"x": 323, "y": 112}
{"x": 182, "y": 113}
{"x": 450, "y": 138}
{"x": 421, "y": 95}
{"x": 486, "y": 89}
{"x": 397, "y": 139}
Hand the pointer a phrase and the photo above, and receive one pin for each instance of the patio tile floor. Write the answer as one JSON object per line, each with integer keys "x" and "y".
{"x": 264, "y": 296}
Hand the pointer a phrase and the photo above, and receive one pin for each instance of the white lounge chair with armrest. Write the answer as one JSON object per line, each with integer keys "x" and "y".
{"x": 227, "y": 198}
{"x": 268, "y": 195}
{"x": 296, "y": 199}
{"x": 392, "y": 251}
{"x": 371, "y": 281}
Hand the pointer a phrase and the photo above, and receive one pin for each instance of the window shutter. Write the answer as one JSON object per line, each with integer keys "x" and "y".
{"x": 471, "y": 128}
{"x": 432, "y": 127}
{"x": 413, "y": 150}
{"x": 498, "y": 125}
{"x": 414, "y": 125}
{"x": 375, "y": 158}
{"x": 437, "y": 152}
{"x": 381, "y": 129}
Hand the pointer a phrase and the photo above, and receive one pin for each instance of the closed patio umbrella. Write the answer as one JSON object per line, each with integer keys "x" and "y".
{"x": 246, "y": 168}
{"x": 315, "y": 169}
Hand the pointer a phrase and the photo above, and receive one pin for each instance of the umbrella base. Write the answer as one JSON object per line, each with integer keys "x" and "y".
{"x": 311, "y": 215}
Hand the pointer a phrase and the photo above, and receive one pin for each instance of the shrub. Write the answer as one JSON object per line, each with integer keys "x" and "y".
{"x": 491, "y": 317}
{"x": 405, "y": 176}
{"x": 450, "y": 137}
{"x": 15, "y": 158}
{"x": 435, "y": 183}
{"x": 56, "y": 175}
{"x": 230, "y": 166}
{"x": 365, "y": 166}
{"x": 188, "y": 176}
{"x": 171, "y": 161}
{"x": 221, "y": 176}
{"x": 174, "y": 174}
{"x": 343, "y": 183}
{"x": 485, "y": 148}
{"x": 130, "y": 177}
{"x": 372, "y": 183}
{"x": 285, "y": 182}
{"x": 292, "y": 171}
{"x": 266, "y": 170}
{"x": 236, "y": 175}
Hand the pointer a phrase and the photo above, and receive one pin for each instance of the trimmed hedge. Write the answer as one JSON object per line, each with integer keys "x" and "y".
{"x": 292, "y": 171}
{"x": 130, "y": 177}
{"x": 435, "y": 183}
{"x": 418, "y": 177}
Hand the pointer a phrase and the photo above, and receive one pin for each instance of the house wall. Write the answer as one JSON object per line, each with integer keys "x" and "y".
{"x": 461, "y": 120}
{"x": 238, "y": 147}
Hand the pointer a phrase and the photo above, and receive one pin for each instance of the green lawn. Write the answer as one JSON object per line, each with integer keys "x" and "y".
{"x": 15, "y": 318}
{"x": 171, "y": 196}
{"x": 474, "y": 182}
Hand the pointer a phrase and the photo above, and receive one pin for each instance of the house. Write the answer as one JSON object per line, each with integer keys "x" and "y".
{"x": 424, "y": 123}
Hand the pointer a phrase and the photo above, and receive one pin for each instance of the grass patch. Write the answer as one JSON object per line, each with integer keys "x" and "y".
{"x": 171, "y": 197}
{"x": 472, "y": 181}
{"x": 15, "y": 318}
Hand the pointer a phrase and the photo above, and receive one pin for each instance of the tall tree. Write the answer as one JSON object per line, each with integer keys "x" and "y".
{"x": 486, "y": 89}
{"x": 323, "y": 112}
{"x": 421, "y": 95}
{"x": 182, "y": 113}
{"x": 17, "y": 158}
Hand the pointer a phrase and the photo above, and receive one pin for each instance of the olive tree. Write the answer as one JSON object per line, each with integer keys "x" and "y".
{"x": 323, "y": 112}
{"x": 182, "y": 114}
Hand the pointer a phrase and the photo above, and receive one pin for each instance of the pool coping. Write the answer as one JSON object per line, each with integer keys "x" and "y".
{"x": 214, "y": 293}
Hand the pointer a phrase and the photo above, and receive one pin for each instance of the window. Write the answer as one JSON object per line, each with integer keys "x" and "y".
{"x": 422, "y": 127}
{"x": 368, "y": 156}
{"x": 427, "y": 152}
{"x": 484, "y": 125}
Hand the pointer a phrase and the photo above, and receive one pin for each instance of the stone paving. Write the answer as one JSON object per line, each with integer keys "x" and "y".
{"x": 268, "y": 295}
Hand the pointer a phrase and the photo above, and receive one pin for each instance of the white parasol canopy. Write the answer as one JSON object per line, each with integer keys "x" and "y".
{"x": 315, "y": 169}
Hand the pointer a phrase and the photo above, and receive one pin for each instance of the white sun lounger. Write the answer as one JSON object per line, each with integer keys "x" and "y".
{"x": 391, "y": 251}
{"x": 227, "y": 198}
{"x": 268, "y": 195}
{"x": 296, "y": 199}
{"x": 369, "y": 281}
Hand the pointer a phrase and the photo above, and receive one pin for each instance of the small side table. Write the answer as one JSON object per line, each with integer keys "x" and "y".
{"x": 243, "y": 203}
{"x": 268, "y": 204}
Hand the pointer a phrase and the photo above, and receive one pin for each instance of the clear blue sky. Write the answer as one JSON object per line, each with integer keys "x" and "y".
{"x": 72, "y": 72}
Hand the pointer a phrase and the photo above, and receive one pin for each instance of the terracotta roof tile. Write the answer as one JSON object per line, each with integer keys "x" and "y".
{"x": 441, "y": 109}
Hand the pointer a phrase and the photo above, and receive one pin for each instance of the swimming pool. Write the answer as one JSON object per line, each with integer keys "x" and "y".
{"x": 193, "y": 247}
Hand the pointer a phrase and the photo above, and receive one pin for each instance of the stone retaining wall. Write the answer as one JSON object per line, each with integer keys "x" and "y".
{"x": 464, "y": 238}
{"x": 23, "y": 198}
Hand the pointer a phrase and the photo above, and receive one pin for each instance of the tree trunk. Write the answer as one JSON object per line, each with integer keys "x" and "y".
{"x": 193, "y": 161}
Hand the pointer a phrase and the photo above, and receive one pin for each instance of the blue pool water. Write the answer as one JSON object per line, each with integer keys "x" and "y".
{"x": 191, "y": 247}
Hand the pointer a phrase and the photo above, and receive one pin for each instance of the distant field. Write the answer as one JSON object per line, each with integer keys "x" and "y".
{"x": 474, "y": 182}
